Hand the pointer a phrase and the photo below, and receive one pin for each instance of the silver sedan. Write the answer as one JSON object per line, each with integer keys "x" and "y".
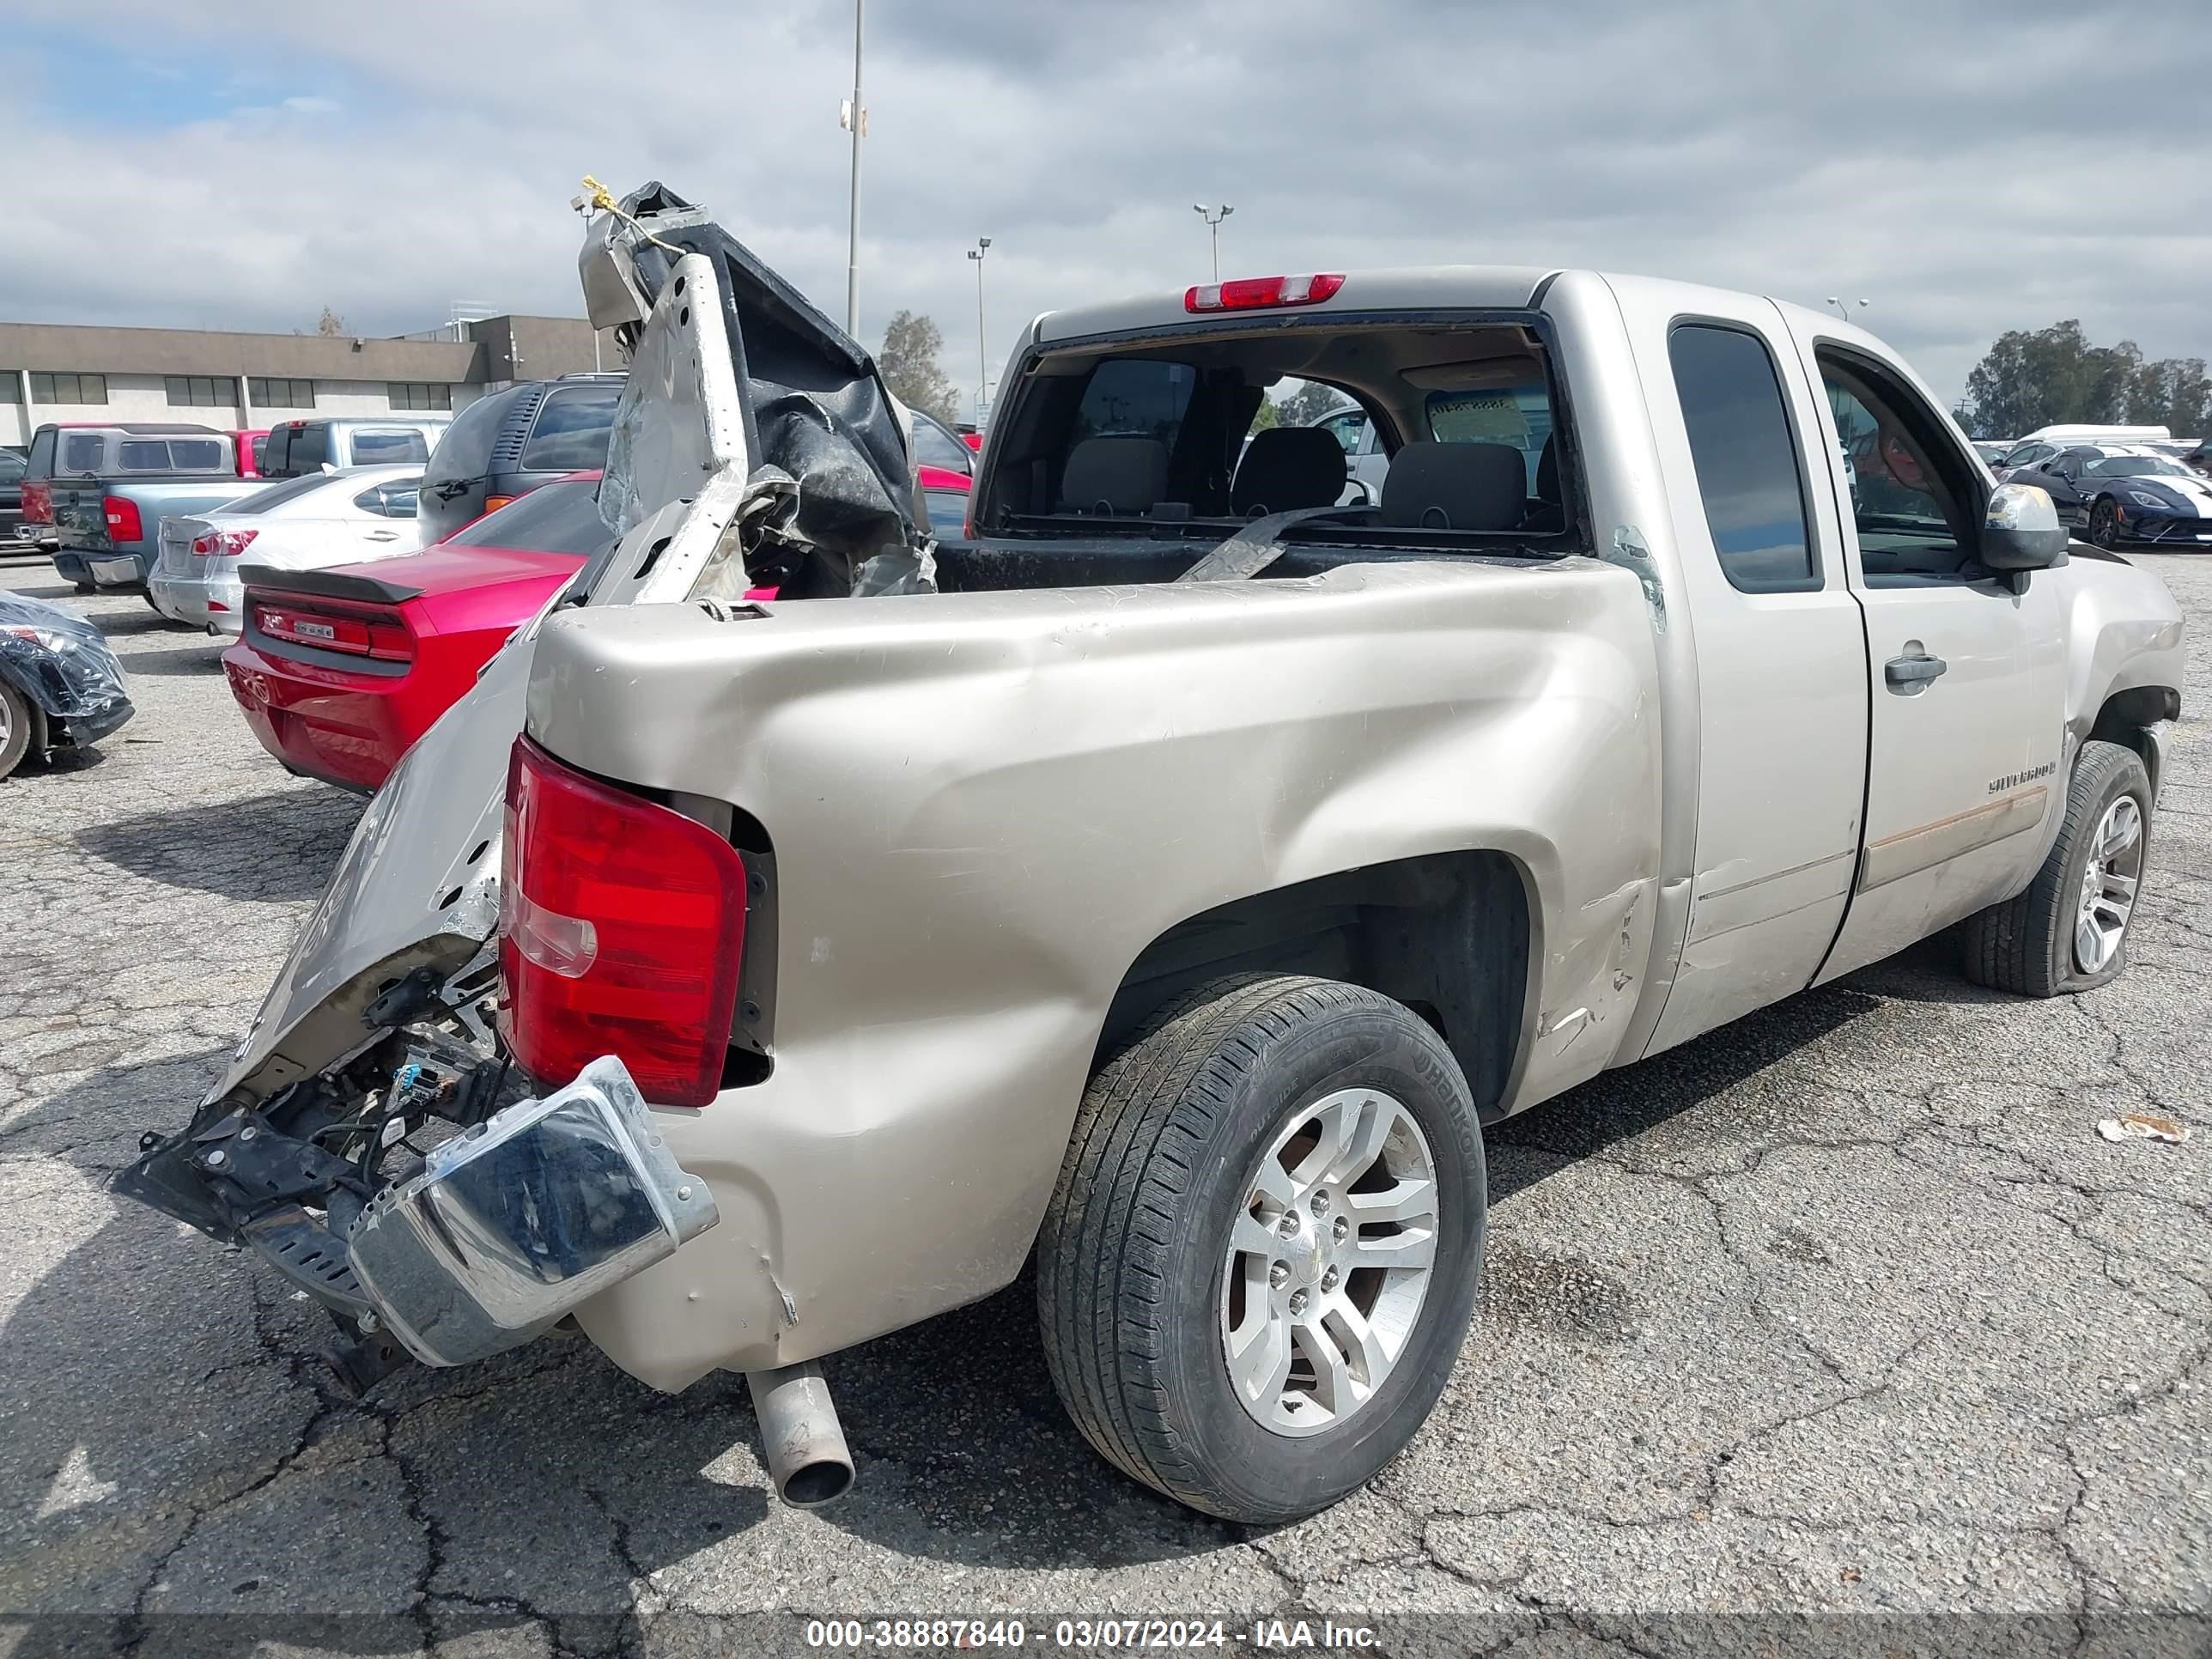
{"x": 323, "y": 519}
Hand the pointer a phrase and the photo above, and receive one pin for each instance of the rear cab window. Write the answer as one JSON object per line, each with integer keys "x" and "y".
{"x": 310, "y": 448}
{"x": 42, "y": 454}
{"x": 571, "y": 431}
{"x": 390, "y": 448}
{"x": 1171, "y": 442}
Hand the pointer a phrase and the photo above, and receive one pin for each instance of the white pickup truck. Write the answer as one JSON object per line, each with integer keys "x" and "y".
{"x": 1171, "y": 880}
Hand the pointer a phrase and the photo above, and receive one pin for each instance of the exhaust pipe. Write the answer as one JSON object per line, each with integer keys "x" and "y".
{"x": 806, "y": 1444}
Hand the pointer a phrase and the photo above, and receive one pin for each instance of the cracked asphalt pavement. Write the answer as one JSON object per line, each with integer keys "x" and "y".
{"x": 1844, "y": 1309}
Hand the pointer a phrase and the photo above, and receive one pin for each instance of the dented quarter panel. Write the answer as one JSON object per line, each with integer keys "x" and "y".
{"x": 985, "y": 806}
{"x": 2123, "y": 631}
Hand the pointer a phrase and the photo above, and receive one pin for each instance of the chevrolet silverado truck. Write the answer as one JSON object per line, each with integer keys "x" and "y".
{"x": 801, "y": 926}
{"x": 114, "y": 485}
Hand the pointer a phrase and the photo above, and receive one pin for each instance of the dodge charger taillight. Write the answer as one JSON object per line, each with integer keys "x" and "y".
{"x": 620, "y": 927}
{"x": 358, "y": 630}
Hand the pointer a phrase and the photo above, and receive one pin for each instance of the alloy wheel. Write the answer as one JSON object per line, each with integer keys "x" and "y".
{"x": 1329, "y": 1262}
{"x": 2108, "y": 881}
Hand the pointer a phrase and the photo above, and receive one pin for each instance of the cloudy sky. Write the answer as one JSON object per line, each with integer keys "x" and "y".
{"x": 1967, "y": 168}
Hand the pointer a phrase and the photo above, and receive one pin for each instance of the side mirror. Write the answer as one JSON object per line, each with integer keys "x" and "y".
{"x": 2020, "y": 530}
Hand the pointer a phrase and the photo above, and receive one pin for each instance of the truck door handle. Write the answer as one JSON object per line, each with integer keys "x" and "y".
{"x": 1912, "y": 673}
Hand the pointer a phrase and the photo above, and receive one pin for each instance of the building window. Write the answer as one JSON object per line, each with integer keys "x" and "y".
{"x": 80, "y": 389}
{"x": 280, "y": 394}
{"x": 197, "y": 392}
{"x": 414, "y": 394}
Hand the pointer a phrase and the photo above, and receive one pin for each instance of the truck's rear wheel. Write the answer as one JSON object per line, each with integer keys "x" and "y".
{"x": 1258, "y": 1263}
{"x": 2069, "y": 931}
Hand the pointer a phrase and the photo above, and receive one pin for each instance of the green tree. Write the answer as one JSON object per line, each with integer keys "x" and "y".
{"x": 2054, "y": 374}
{"x": 2173, "y": 392}
{"x": 908, "y": 364}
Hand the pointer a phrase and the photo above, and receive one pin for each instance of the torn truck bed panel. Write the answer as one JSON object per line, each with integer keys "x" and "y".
{"x": 717, "y": 478}
{"x": 811, "y": 403}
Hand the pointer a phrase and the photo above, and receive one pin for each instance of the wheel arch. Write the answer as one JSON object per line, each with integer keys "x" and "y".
{"x": 1454, "y": 936}
{"x": 2130, "y": 718}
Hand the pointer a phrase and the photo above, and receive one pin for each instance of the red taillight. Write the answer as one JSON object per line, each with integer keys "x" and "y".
{"x": 359, "y": 631}
{"x": 622, "y": 925}
{"x": 123, "y": 521}
{"x": 224, "y": 544}
{"x": 1257, "y": 293}
{"x": 38, "y": 503}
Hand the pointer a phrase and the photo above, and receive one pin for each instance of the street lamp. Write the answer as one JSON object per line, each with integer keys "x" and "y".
{"x": 1213, "y": 217}
{"x": 853, "y": 118}
{"x": 1843, "y": 310}
{"x": 983, "y": 367}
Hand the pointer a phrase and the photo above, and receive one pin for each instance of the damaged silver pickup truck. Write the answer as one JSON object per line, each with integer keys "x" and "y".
{"x": 802, "y": 924}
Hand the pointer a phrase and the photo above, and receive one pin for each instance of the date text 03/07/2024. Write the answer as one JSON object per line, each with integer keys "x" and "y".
{"x": 1271, "y": 1635}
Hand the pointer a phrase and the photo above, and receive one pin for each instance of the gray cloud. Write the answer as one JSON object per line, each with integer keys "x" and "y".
{"x": 1968, "y": 167}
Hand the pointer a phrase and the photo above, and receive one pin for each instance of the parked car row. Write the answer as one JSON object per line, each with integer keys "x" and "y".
{"x": 367, "y": 599}
{"x": 368, "y": 595}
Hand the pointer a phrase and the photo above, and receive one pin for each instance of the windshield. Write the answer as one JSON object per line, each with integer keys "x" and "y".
{"x": 374, "y": 448}
{"x": 2137, "y": 466}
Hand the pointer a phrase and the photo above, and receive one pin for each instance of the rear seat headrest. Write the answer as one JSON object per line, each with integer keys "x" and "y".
{"x": 1119, "y": 475}
{"x": 1286, "y": 468}
{"x": 1439, "y": 486}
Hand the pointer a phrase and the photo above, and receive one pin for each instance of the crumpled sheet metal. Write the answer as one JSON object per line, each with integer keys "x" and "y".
{"x": 57, "y": 659}
{"x": 821, "y": 433}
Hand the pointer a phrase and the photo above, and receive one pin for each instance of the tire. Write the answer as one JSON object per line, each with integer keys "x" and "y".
{"x": 86, "y": 587}
{"x": 15, "y": 718}
{"x": 1136, "y": 1284}
{"x": 2105, "y": 525}
{"x": 2028, "y": 945}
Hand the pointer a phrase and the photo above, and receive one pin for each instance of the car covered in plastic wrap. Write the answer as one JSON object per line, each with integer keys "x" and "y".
{"x": 60, "y": 686}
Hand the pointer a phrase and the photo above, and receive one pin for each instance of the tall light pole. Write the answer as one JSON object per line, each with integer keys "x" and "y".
{"x": 854, "y": 119}
{"x": 1843, "y": 310}
{"x": 1213, "y": 217}
{"x": 982, "y": 364}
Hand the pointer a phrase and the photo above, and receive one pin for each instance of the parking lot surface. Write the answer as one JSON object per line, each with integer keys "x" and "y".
{"x": 1847, "y": 1309}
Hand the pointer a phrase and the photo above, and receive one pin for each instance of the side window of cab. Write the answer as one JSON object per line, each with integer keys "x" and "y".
{"x": 1912, "y": 497}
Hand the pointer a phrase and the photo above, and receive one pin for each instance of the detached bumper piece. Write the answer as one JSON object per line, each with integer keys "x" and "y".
{"x": 514, "y": 1222}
